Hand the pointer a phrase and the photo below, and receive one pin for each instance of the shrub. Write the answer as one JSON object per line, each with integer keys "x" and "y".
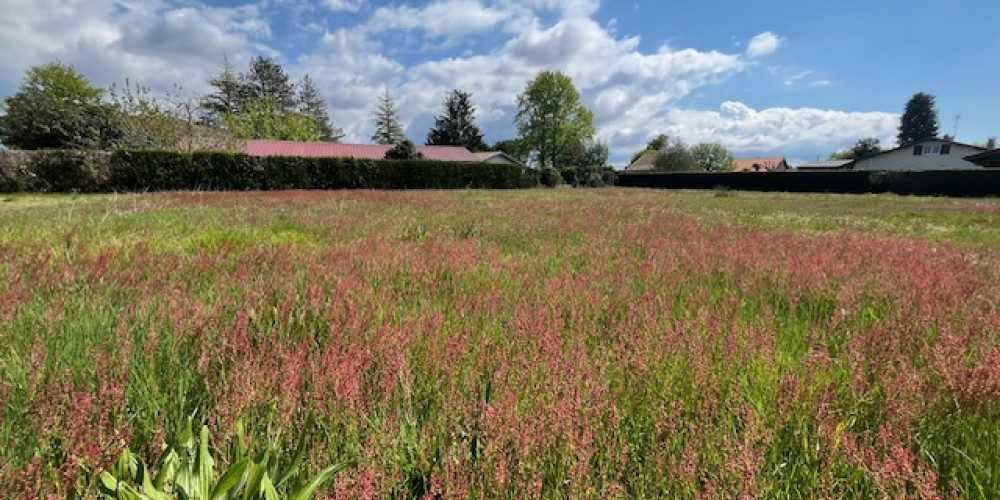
{"x": 405, "y": 150}
{"x": 550, "y": 177}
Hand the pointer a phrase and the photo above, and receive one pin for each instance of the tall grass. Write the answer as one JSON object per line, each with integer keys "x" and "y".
{"x": 585, "y": 344}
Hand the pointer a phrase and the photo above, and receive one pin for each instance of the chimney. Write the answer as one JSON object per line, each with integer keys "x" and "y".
{"x": 991, "y": 143}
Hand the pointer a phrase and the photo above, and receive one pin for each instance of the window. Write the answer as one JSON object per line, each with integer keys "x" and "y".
{"x": 918, "y": 150}
{"x": 932, "y": 150}
{"x": 945, "y": 149}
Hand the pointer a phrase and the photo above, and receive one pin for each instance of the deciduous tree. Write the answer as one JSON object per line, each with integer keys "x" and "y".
{"x": 711, "y": 156}
{"x": 551, "y": 118}
{"x": 267, "y": 119}
{"x": 57, "y": 108}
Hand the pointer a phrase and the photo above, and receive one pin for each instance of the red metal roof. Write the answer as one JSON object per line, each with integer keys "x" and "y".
{"x": 360, "y": 151}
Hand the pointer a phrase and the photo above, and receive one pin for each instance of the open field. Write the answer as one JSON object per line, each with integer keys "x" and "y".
{"x": 558, "y": 343}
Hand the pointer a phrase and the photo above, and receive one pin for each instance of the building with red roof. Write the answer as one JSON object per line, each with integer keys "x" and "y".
{"x": 257, "y": 147}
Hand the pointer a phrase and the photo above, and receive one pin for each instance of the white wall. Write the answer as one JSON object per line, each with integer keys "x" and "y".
{"x": 904, "y": 159}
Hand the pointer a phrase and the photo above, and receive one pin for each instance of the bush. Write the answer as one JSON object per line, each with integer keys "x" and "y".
{"x": 405, "y": 150}
{"x": 550, "y": 177}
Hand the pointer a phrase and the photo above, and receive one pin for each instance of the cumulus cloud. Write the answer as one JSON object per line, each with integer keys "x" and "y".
{"x": 763, "y": 44}
{"x": 635, "y": 93}
{"x": 345, "y": 5}
{"x": 449, "y": 18}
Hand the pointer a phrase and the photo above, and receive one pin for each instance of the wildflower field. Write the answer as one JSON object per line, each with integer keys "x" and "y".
{"x": 606, "y": 343}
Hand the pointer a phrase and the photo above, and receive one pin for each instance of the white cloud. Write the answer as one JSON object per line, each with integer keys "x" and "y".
{"x": 449, "y": 18}
{"x": 763, "y": 44}
{"x": 343, "y": 5}
{"x": 783, "y": 131}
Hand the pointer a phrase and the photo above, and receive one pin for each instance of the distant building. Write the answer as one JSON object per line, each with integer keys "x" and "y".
{"x": 643, "y": 163}
{"x": 932, "y": 154}
{"x": 358, "y": 151}
{"x": 825, "y": 165}
{"x": 497, "y": 157}
{"x": 774, "y": 164}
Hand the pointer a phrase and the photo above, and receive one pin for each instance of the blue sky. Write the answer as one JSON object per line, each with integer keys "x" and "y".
{"x": 767, "y": 78}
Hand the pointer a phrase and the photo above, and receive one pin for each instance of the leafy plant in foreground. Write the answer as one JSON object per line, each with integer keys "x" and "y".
{"x": 186, "y": 471}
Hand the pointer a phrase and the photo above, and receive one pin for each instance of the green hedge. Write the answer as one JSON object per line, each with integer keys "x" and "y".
{"x": 958, "y": 183}
{"x": 126, "y": 171}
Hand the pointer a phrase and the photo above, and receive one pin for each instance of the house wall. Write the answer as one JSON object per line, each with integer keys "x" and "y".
{"x": 904, "y": 159}
{"x": 500, "y": 160}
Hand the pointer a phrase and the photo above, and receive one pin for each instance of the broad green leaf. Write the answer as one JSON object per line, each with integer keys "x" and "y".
{"x": 231, "y": 480}
{"x": 306, "y": 492}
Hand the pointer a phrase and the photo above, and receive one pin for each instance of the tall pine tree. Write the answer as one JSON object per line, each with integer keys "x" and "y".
{"x": 920, "y": 120}
{"x": 387, "y": 127}
{"x": 228, "y": 96}
{"x": 267, "y": 80}
{"x": 457, "y": 126}
{"x": 311, "y": 104}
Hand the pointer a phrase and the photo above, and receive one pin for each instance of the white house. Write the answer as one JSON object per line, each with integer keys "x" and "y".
{"x": 932, "y": 154}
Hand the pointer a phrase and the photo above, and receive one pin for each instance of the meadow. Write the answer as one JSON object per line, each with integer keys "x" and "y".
{"x": 608, "y": 343}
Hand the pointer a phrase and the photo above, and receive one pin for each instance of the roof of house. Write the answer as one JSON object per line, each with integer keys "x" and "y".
{"x": 360, "y": 151}
{"x": 936, "y": 139}
{"x": 644, "y": 162}
{"x": 825, "y": 165}
{"x": 486, "y": 155}
{"x": 747, "y": 164}
{"x": 988, "y": 158}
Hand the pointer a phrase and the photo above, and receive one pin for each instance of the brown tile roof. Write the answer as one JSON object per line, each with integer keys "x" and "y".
{"x": 765, "y": 164}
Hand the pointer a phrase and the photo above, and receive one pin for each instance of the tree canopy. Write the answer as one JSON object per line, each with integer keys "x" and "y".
{"x": 57, "y": 108}
{"x": 388, "y": 130}
{"x": 457, "y": 125}
{"x": 550, "y": 117}
{"x": 711, "y": 157}
{"x": 919, "y": 121}
{"x": 864, "y": 148}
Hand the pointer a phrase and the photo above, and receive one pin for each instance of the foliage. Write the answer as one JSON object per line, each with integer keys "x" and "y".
{"x": 151, "y": 122}
{"x": 56, "y": 108}
{"x": 267, "y": 119}
{"x": 550, "y": 118}
{"x": 457, "y": 126}
{"x": 388, "y": 130}
{"x": 516, "y": 344}
{"x": 712, "y": 157}
{"x": 186, "y": 471}
{"x": 311, "y": 104}
{"x": 228, "y": 97}
{"x": 266, "y": 80}
{"x": 676, "y": 157}
{"x": 862, "y": 149}
{"x": 919, "y": 121}
{"x": 405, "y": 150}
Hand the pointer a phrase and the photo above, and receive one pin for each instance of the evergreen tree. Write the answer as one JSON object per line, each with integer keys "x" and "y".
{"x": 920, "y": 120}
{"x": 267, "y": 80}
{"x": 311, "y": 104}
{"x": 228, "y": 96}
{"x": 457, "y": 127}
{"x": 387, "y": 127}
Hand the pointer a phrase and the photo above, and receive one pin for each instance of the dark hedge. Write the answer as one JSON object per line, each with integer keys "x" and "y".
{"x": 129, "y": 171}
{"x": 958, "y": 183}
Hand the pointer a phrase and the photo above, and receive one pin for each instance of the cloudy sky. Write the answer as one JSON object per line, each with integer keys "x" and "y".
{"x": 764, "y": 77}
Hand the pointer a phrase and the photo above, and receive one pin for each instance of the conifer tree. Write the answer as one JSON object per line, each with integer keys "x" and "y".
{"x": 387, "y": 127}
{"x": 919, "y": 121}
{"x": 457, "y": 126}
{"x": 311, "y": 104}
